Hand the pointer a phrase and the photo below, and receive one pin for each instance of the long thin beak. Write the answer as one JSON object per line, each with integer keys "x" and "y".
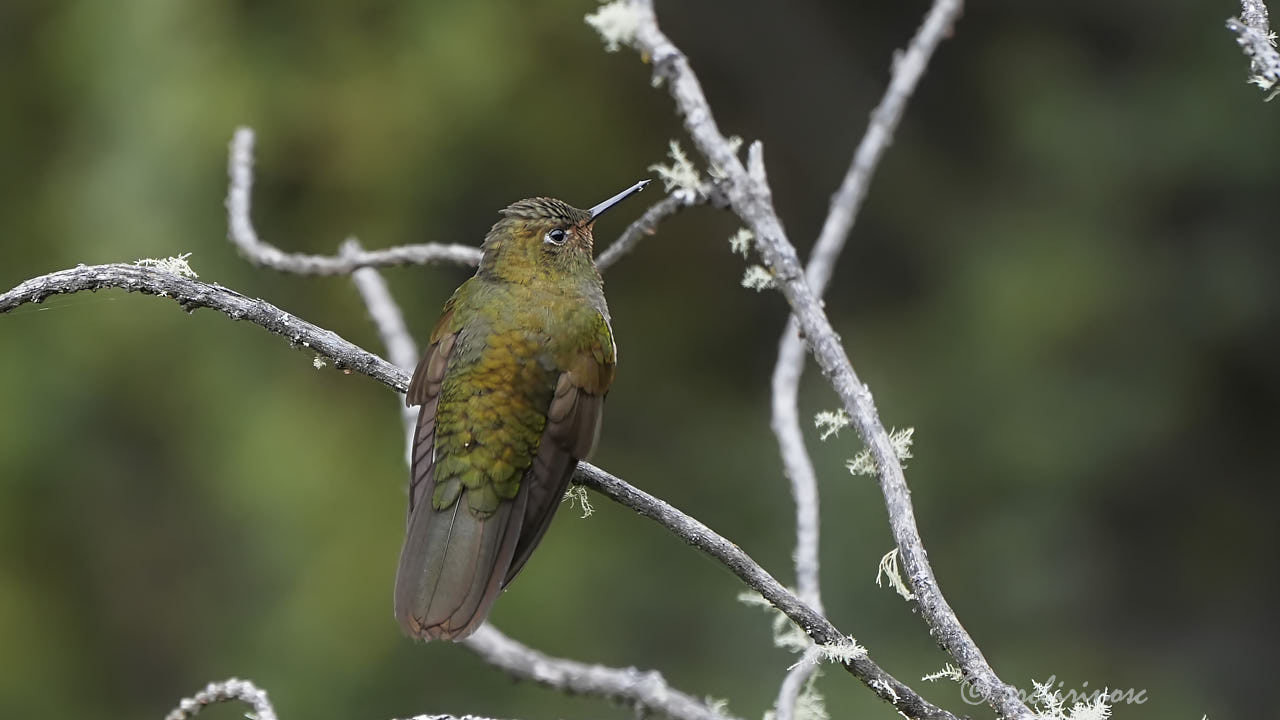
{"x": 598, "y": 210}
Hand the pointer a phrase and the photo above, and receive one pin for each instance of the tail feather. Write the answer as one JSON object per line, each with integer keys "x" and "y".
{"x": 452, "y": 567}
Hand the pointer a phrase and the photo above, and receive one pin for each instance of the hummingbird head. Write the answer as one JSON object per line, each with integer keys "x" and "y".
{"x": 545, "y": 239}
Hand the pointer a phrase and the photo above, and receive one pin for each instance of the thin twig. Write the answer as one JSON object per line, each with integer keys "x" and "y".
{"x": 644, "y": 691}
{"x": 240, "y": 231}
{"x": 645, "y": 225}
{"x": 191, "y": 294}
{"x": 751, "y": 199}
{"x": 793, "y": 684}
{"x": 798, "y": 468}
{"x": 389, "y": 321}
{"x": 845, "y": 204}
{"x": 383, "y": 310}
{"x": 908, "y": 67}
{"x": 233, "y": 690}
{"x": 1254, "y": 36}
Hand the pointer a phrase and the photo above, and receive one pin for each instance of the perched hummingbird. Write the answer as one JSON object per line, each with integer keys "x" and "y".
{"x": 510, "y": 390}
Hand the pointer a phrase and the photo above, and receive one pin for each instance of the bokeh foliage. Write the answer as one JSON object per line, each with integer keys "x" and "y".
{"x": 1063, "y": 278}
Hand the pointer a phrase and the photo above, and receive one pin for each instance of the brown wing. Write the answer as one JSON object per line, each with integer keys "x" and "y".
{"x": 446, "y": 579}
{"x": 424, "y": 390}
{"x": 573, "y": 424}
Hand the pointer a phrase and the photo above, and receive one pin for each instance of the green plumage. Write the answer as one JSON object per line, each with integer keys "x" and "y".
{"x": 515, "y": 341}
{"x": 510, "y": 389}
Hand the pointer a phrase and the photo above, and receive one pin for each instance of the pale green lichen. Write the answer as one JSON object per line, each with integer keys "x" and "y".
{"x": 788, "y": 636}
{"x": 830, "y": 422}
{"x": 680, "y": 176}
{"x": 948, "y": 672}
{"x": 1048, "y": 704}
{"x": 176, "y": 265}
{"x": 577, "y": 495}
{"x": 889, "y": 570}
{"x": 864, "y": 464}
{"x": 617, "y": 23}
{"x": 758, "y": 278}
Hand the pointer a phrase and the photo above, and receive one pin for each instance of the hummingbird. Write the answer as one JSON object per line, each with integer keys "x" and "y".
{"x": 510, "y": 392}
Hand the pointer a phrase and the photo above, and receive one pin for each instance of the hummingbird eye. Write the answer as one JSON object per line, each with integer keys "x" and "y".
{"x": 556, "y": 236}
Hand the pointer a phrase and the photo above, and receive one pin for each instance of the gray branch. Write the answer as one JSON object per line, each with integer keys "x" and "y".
{"x": 389, "y": 321}
{"x": 233, "y": 690}
{"x": 1254, "y": 36}
{"x": 907, "y": 71}
{"x": 646, "y": 225}
{"x": 241, "y": 233}
{"x": 645, "y": 691}
{"x": 798, "y": 467}
{"x": 191, "y": 294}
{"x": 751, "y": 198}
{"x": 816, "y": 625}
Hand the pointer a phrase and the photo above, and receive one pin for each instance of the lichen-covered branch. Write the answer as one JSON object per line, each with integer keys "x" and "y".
{"x": 751, "y": 199}
{"x": 241, "y": 233}
{"x": 1254, "y": 36}
{"x": 907, "y": 71}
{"x": 645, "y": 691}
{"x": 817, "y": 626}
{"x": 233, "y": 690}
{"x": 191, "y": 294}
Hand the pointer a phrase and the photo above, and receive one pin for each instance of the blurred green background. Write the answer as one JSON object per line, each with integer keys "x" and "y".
{"x": 1064, "y": 279}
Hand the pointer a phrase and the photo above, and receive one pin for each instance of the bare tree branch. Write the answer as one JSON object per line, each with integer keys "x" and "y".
{"x": 645, "y": 225}
{"x": 907, "y": 70}
{"x": 233, "y": 690}
{"x": 1254, "y": 36}
{"x": 240, "y": 231}
{"x": 798, "y": 468}
{"x": 645, "y": 691}
{"x": 383, "y": 310}
{"x": 908, "y": 67}
{"x": 751, "y": 199}
{"x": 191, "y": 294}
{"x": 389, "y": 321}
{"x": 817, "y": 626}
